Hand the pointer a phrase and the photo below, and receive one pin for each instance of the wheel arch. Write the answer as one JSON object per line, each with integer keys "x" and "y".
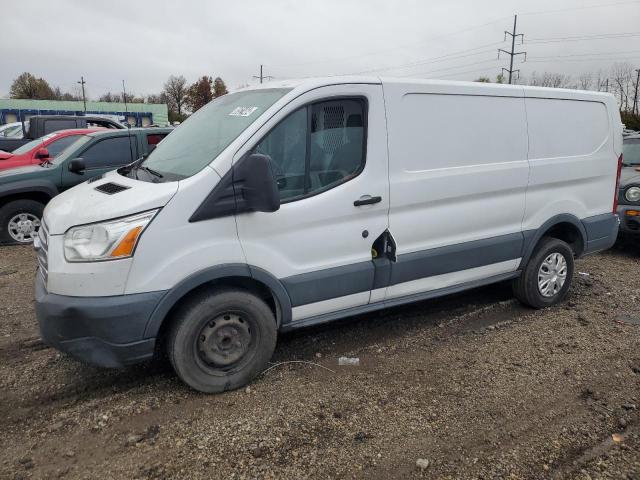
{"x": 40, "y": 191}
{"x": 244, "y": 276}
{"x": 565, "y": 227}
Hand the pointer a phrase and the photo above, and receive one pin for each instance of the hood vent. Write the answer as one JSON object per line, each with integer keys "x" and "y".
{"x": 111, "y": 188}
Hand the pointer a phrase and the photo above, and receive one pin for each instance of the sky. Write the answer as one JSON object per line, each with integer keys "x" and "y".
{"x": 143, "y": 42}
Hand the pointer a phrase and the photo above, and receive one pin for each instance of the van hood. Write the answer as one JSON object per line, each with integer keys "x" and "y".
{"x": 84, "y": 204}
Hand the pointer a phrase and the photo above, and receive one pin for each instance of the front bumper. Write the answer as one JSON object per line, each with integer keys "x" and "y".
{"x": 103, "y": 331}
{"x": 629, "y": 225}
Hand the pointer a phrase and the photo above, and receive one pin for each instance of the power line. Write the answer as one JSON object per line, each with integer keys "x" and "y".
{"x": 399, "y": 47}
{"x": 512, "y": 54}
{"x": 493, "y": 60}
{"x": 580, "y": 38}
{"x": 451, "y": 56}
{"x": 609, "y": 59}
{"x": 585, "y": 7}
{"x": 591, "y": 54}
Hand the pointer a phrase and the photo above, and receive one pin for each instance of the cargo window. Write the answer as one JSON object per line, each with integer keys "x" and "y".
{"x": 55, "y": 125}
{"x": 317, "y": 147}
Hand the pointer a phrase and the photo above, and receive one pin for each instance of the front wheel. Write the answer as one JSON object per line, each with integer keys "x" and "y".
{"x": 547, "y": 276}
{"x": 20, "y": 221}
{"x": 221, "y": 339}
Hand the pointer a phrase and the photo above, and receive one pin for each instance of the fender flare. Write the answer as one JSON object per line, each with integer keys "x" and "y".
{"x": 532, "y": 237}
{"x": 28, "y": 186}
{"x": 216, "y": 273}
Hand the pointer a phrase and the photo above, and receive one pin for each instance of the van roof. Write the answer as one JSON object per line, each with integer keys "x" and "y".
{"x": 469, "y": 87}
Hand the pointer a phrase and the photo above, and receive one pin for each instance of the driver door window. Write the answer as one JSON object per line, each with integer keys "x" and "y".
{"x": 317, "y": 147}
{"x": 111, "y": 152}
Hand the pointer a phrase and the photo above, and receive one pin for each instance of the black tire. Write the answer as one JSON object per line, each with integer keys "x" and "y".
{"x": 16, "y": 207}
{"x": 203, "y": 324}
{"x": 526, "y": 288}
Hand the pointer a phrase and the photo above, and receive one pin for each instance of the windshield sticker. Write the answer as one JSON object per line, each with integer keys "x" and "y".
{"x": 242, "y": 111}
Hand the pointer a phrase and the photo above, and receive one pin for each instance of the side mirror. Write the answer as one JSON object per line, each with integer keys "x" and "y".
{"x": 77, "y": 166}
{"x": 42, "y": 153}
{"x": 254, "y": 177}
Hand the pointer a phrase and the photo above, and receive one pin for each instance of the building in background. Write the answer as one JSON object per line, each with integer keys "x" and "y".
{"x": 136, "y": 114}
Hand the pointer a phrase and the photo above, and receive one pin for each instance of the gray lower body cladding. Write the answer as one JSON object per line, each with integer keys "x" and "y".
{"x": 104, "y": 331}
{"x": 121, "y": 330}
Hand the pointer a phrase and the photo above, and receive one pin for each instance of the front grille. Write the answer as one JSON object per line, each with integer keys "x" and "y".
{"x": 43, "y": 251}
{"x": 111, "y": 188}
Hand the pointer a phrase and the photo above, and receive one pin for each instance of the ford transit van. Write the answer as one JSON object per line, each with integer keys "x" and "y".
{"x": 297, "y": 203}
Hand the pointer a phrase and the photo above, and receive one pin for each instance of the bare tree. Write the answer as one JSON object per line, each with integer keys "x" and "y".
{"x": 585, "y": 81}
{"x": 176, "y": 91}
{"x": 622, "y": 76}
{"x": 548, "y": 79}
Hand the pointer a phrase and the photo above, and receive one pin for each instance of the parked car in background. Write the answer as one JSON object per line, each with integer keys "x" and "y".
{"x": 42, "y": 149}
{"x": 40, "y": 125}
{"x": 629, "y": 193}
{"x": 12, "y": 130}
{"x": 301, "y": 202}
{"x": 24, "y": 191}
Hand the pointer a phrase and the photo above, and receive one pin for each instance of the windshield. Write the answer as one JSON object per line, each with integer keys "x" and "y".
{"x": 204, "y": 135}
{"x": 32, "y": 144}
{"x": 71, "y": 149}
{"x": 631, "y": 152}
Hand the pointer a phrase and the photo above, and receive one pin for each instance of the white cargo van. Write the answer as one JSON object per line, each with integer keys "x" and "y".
{"x": 297, "y": 203}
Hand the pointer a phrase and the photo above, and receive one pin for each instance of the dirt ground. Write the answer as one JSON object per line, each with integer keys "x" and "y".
{"x": 475, "y": 385}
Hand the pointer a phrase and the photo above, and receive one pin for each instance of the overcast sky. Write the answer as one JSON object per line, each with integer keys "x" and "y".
{"x": 143, "y": 41}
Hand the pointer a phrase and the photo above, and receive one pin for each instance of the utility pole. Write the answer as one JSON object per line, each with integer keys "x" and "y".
{"x": 513, "y": 52}
{"x": 84, "y": 98}
{"x": 262, "y": 77}
{"x": 635, "y": 96}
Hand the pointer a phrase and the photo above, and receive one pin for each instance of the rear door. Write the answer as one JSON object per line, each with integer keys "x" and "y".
{"x": 329, "y": 148}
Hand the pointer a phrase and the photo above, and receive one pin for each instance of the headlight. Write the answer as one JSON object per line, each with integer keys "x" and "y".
{"x": 107, "y": 240}
{"x": 633, "y": 194}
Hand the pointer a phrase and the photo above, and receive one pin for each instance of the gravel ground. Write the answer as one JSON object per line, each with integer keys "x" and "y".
{"x": 469, "y": 386}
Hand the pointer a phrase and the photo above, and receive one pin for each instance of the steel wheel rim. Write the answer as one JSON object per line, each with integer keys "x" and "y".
{"x": 23, "y": 227}
{"x": 225, "y": 343}
{"x": 552, "y": 275}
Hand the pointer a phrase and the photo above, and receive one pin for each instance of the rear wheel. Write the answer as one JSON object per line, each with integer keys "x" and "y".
{"x": 20, "y": 221}
{"x": 221, "y": 339}
{"x": 547, "y": 276}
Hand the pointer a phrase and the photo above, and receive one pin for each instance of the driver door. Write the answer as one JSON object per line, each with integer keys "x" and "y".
{"x": 330, "y": 156}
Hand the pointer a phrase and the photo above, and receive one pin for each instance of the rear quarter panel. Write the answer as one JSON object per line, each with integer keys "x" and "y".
{"x": 571, "y": 155}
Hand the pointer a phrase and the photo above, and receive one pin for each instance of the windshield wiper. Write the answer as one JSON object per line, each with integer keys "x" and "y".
{"x": 46, "y": 163}
{"x": 150, "y": 170}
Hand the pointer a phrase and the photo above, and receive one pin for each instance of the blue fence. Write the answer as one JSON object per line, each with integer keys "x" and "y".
{"x": 137, "y": 119}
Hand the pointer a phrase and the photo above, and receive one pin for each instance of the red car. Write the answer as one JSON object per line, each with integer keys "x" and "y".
{"x": 41, "y": 149}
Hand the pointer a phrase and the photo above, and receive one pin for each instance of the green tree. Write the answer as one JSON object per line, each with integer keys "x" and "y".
{"x": 500, "y": 78}
{"x": 200, "y": 93}
{"x": 219, "y": 88}
{"x": 28, "y": 86}
{"x": 483, "y": 80}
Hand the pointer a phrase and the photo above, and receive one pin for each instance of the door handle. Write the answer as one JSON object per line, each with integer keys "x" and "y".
{"x": 366, "y": 200}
